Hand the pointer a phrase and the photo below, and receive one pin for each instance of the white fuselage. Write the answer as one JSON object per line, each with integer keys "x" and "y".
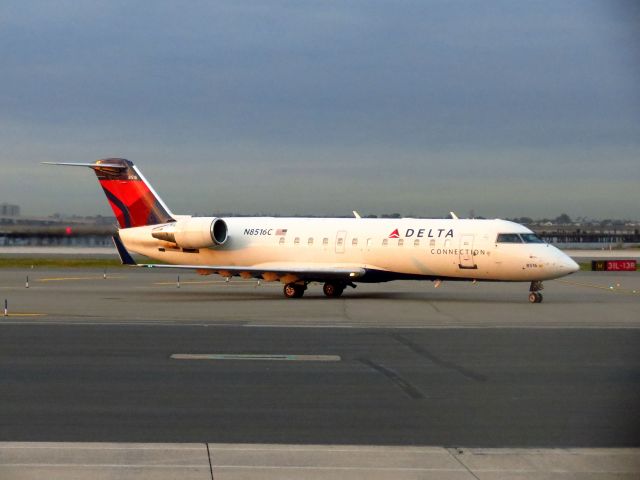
{"x": 393, "y": 248}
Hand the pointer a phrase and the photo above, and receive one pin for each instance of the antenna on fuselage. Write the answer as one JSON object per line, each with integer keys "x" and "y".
{"x": 454, "y": 216}
{"x": 356, "y": 214}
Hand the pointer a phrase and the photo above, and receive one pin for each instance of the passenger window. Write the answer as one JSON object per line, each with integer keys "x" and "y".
{"x": 508, "y": 238}
{"x": 296, "y": 241}
{"x": 400, "y": 242}
{"x": 281, "y": 241}
{"x": 340, "y": 240}
{"x": 369, "y": 243}
{"x": 325, "y": 241}
{"x": 310, "y": 241}
{"x": 432, "y": 243}
{"x": 354, "y": 242}
{"x": 416, "y": 243}
{"x": 385, "y": 242}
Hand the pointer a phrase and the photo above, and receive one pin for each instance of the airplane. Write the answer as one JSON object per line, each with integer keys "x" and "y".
{"x": 338, "y": 252}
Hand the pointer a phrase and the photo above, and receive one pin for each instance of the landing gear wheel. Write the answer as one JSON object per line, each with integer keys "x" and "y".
{"x": 535, "y": 297}
{"x": 333, "y": 290}
{"x": 294, "y": 290}
{"x": 534, "y": 291}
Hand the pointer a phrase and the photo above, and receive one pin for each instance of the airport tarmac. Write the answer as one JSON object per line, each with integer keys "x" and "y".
{"x": 136, "y": 357}
{"x": 137, "y": 295}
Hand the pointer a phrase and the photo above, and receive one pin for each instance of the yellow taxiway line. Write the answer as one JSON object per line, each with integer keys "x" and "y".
{"x": 62, "y": 279}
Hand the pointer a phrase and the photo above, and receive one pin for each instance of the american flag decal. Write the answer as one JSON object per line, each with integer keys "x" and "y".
{"x": 281, "y": 231}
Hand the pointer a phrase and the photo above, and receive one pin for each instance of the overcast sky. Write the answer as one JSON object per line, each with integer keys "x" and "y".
{"x": 508, "y": 108}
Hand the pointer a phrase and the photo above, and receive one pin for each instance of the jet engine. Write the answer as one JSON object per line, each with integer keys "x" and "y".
{"x": 194, "y": 232}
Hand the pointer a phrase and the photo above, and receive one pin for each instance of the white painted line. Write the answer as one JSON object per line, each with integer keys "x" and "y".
{"x": 256, "y": 357}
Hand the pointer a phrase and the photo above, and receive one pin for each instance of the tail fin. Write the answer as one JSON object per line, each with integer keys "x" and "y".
{"x": 132, "y": 199}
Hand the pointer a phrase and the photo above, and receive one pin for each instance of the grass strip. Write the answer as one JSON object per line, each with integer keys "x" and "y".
{"x": 52, "y": 262}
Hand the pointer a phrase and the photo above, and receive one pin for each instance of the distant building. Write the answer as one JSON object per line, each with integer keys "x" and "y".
{"x": 8, "y": 210}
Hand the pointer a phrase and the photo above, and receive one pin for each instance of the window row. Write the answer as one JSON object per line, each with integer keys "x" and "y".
{"x": 354, "y": 242}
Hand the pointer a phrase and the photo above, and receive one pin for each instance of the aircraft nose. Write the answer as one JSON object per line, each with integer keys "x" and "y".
{"x": 568, "y": 265}
{"x": 564, "y": 264}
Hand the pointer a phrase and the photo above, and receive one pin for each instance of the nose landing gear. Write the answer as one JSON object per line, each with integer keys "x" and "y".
{"x": 535, "y": 297}
{"x": 534, "y": 292}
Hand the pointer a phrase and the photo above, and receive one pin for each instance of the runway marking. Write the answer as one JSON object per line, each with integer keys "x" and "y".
{"x": 23, "y": 315}
{"x": 62, "y": 279}
{"x": 256, "y": 357}
{"x": 610, "y": 288}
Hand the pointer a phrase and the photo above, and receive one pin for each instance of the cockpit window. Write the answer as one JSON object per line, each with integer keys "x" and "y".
{"x": 531, "y": 238}
{"x": 508, "y": 238}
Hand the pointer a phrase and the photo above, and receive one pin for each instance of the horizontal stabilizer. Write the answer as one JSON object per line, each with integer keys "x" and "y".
{"x": 90, "y": 165}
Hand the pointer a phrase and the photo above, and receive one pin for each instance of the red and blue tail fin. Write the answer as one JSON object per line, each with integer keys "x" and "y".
{"x": 132, "y": 199}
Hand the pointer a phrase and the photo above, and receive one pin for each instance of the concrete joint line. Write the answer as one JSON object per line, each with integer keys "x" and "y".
{"x": 454, "y": 455}
{"x": 209, "y": 457}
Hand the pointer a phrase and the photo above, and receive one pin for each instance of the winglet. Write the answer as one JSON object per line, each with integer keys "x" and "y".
{"x": 125, "y": 256}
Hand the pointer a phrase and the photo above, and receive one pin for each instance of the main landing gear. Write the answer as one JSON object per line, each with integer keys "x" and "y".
{"x": 294, "y": 290}
{"x": 534, "y": 292}
{"x": 333, "y": 290}
{"x": 330, "y": 289}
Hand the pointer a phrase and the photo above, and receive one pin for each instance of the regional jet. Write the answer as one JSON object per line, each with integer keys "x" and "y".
{"x": 337, "y": 252}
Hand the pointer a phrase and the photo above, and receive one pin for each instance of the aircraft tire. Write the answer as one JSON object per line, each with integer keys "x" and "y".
{"x": 332, "y": 290}
{"x": 535, "y": 297}
{"x": 293, "y": 290}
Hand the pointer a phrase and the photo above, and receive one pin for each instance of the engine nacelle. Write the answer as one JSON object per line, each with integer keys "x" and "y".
{"x": 194, "y": 232}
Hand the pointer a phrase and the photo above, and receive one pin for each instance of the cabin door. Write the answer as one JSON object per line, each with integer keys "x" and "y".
{"x": 466, "y": 252}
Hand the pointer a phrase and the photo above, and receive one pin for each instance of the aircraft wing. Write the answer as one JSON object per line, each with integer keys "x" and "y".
{"x": 300, "y": 271}
{"x": 297, "y": 271}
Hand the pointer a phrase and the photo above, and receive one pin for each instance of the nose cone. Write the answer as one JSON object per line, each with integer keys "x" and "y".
{"x": 559, "y": 264}
{"x": 566, "y": 265}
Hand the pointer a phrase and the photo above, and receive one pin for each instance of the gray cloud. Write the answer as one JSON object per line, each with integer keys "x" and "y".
{"x": 321, "y": 107}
